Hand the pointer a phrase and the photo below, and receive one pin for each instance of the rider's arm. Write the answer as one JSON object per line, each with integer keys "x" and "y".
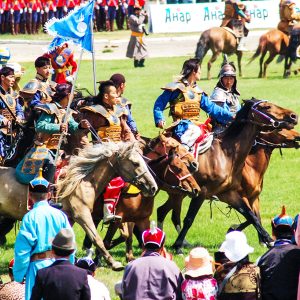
{"x": 130, "y": 121}
{"x": 45, "y": 124}
{"x": 36, "y": 99}
{"x": 240, "y": 11}
{"x": 222, "y": 115}
{"x": 161, "y": 103}
{"x": 19, "y": 110}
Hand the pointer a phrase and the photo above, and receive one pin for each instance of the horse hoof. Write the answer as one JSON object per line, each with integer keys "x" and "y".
{"x": 117, "y": 266}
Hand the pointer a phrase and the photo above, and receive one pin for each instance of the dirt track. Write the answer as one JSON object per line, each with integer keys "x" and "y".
{"x": 158, "y": 47}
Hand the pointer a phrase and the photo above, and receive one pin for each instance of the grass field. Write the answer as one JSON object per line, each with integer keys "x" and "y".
{"x": 282, "y": 180}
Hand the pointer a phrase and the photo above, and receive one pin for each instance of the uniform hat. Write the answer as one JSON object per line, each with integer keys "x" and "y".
{"x": 235, "y": 246}
{"x": 198, "y": 263}
{"x": 64, "y": 240}
{"x": 86, "y": 263}
{"x": 61, "y": 91}
{"x": 39, "y": 184}
{"x": 282, "y": 220}
{"x": 153, "y": 236}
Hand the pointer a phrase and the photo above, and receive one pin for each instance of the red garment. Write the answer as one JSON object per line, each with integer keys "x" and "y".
{"x": 16, "y": 6}
{"x": 113, "y": 190}
{"x": 112, "y": 3}
{"x": 61, "y": 3}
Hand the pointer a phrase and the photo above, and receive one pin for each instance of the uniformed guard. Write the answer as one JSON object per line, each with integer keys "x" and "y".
{"x": 288, "y": 16}
{"x": 235, "y": 17}
{"x": 10, "y": 110}
{"x": 109, "y": 121}
{"x": 225, "y": 94}
{"x": 186, "y": 100}
{"x": 63, "y": 64}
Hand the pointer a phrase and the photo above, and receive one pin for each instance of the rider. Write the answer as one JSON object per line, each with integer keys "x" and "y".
{"x": 235, "y": 17}
{"x": 186, "y": 100}
{"x": 49, "y": 127}
{"x": 108, "y": 121}
{"x": 10, "y": 109}
{"x": 225, "y": 94}
{"x": 288, "y": 16}
{"x": 120, "y": 83}
{"x": 62, "y": 58}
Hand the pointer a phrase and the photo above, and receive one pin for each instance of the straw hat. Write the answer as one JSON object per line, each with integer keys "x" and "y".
{"x": 198, "y": 263}
{"x": 235, "y": 246}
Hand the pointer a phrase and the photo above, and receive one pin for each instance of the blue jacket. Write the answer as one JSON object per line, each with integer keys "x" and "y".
{"x": 220, "y": 114}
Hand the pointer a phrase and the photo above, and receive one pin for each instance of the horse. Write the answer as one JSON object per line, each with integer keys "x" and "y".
{"x": 253, "y": 172}
{"x": 87, "y": 175}
{"x": 218, "y": 40}
{"x": 220, "y": 167}
{"x": 275, "y": 42}
{"x": 292, "y": 53}
{"x": 171, "y": 174}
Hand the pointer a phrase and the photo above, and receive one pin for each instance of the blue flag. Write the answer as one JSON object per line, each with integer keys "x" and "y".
{"x": 76, "y": 26}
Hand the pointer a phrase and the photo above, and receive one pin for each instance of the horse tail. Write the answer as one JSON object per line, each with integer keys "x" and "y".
{"x": 202, "y": 46}
{"x": 260, "y": 49}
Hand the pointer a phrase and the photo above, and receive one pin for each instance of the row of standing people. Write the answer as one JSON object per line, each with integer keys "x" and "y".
{"x": 231, "y": 276}
{"x": 29, "y": 16}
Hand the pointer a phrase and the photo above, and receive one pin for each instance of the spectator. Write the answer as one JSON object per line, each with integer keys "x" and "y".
{"x": 98, "y": 290}
{"x": 62, "y": 280}
{"x": 12, "y": 290}
{"x": 238, "y": 278}
{"x": 199, "y": 283}
{"x": 297, "y": 239}
{"x": 152, "y": 276}
{"x": 39, "y": 225}
{"x": 280, "y": 265}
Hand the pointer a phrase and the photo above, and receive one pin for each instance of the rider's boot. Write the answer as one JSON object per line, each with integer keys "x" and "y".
{"x": 108, "y": 211}
{"x": 242, "y": 44}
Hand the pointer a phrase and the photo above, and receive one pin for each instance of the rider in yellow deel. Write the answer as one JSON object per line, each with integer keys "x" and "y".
{"x": 288, "y": 16}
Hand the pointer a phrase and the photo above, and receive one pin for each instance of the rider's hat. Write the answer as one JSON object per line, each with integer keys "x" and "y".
{"x": 227, "y": 70}
{"x": 282, "y": 220}
{"x": 153, "y": 237}
{"x": 39, "y": 184}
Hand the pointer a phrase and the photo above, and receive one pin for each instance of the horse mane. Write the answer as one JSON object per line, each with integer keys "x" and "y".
{"x": 86, "y": 161}
{"x": 238, "y": 124}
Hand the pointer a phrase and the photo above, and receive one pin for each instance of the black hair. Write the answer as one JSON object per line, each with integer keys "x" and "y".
{"x": 61, "y": 91}
{"x": 189, "y": 66}
{"x": 62, "y": 252}
{"x": 42, "y": 61}
{"x": 6, "y": 71}
{"x": 103, "y": 89}
{"x": 283, "y": 232}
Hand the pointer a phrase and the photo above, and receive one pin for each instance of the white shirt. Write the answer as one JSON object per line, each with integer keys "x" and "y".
{"x": 98, "y": 290}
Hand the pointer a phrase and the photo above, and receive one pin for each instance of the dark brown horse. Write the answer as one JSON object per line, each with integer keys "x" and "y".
{"x": 220, "y": 168}
{"x": 218, "y": 40}
{"x": 254, "y": 169}
{"x": 275, "y": 42}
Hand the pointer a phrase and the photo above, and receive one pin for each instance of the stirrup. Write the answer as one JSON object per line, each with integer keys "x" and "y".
{"x": 111, "y": 218}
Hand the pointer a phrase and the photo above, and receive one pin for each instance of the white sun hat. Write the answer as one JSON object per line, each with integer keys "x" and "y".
{"x": 235, "y": 246}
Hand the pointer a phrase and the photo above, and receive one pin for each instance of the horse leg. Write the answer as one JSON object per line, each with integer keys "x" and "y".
{"x": 287, "y": 67}
{"x": 108, "y": 241}
{"x": 6, "y": 225}
{"x": 210, "y": 62}
{"x": 83, "y": 217}
{"x": 194, "y": 207}
{"x": 129, "y": 240}
{"x": 256, "y": 210}
{"x": 239, "y": 55}
{"x": 261, "y": 60}
{"x": 267, "y": 62}
{"x": 87, "y": 243}
{"x": 163, "y": 210}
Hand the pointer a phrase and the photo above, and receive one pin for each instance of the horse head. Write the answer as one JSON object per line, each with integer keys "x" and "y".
{"x": 283, "y": 138}
{"x": 269, "y": 116}
{"x": 132, "y": 168}
{"x": 172, "y": 174}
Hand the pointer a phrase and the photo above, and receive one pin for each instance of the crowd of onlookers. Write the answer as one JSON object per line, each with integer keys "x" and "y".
{"x": 29, "y": 16}
{"x": 230, "y": 275}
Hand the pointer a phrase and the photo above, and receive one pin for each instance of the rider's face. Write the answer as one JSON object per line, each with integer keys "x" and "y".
{"x": 45, "y": 71}
{"x": 228, "y": 82}
{"x": 111, "y": 97}
{"x": 7, "y": 81}
{"x": 197, "y": 74}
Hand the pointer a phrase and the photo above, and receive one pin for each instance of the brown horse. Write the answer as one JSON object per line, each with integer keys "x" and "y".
{"x": 87, "y": 176}
{"x": 275, "y": 42}
{"x": 254, "y": 169}
{"x": 171, "y": 175}
{"x": 218, "y": 40}
{"x": 220, "y": 168}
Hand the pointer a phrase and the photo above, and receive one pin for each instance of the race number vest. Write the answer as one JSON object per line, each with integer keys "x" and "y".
{"x": 187, "y": 104}
{"x": 50, "y": 140}
{"x": 112, "y": 132}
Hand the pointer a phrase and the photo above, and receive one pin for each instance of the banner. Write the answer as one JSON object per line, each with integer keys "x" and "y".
{"x": 202, "y": 16}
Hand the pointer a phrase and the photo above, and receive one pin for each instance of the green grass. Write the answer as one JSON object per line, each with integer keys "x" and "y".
{"x": 281, "y": 184}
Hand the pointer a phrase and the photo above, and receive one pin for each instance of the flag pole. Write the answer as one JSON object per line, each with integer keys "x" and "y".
{"x": 93, "y": 58}
{"x": 68, "y": 109}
